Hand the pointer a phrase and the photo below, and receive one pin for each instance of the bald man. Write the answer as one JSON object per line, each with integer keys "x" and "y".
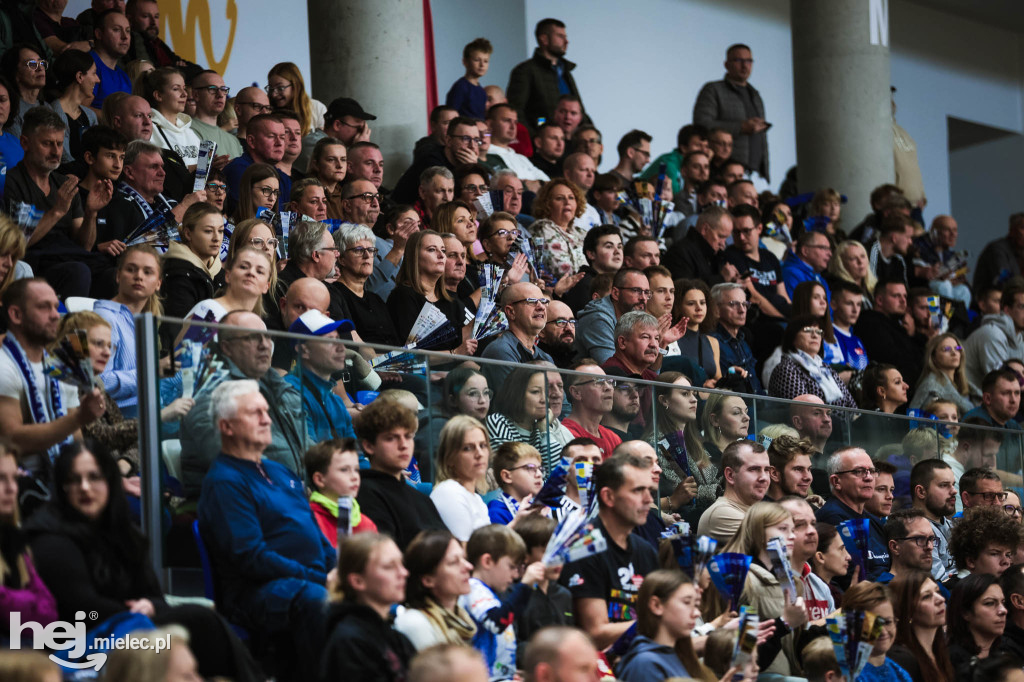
{"x": 813, "y": 421}
{"x": 526, "y": 309}
{"x": 305, "y": 293}
{"x": 249, "y": 102}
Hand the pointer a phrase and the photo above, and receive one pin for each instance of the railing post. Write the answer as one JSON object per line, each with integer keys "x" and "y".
{"x": 146, "y": 346}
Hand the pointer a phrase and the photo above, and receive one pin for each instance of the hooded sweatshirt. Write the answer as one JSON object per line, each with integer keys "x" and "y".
{"x": 187, "y": 281}
{"x": 991, "y": 344}
{"x": 647, "y": 660}
{"x": 177, "y": 135}
{"x": 363, "y": 646}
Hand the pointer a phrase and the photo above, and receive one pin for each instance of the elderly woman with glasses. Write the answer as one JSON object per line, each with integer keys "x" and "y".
{"x": 357, "y": 249}
{"x": 802, "y": 370}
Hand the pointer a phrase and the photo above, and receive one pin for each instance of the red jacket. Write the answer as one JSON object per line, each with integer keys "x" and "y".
{"x": 328, "y": 523}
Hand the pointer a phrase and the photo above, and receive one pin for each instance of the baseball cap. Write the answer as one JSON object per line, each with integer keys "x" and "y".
{"x": 315, "y": 323}
{"x": 346, "y": 106}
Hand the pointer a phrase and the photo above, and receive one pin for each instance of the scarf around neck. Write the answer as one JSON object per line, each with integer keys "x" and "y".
{"x": 814, "y": 366}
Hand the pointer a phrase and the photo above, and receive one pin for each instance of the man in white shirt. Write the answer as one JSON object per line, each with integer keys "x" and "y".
{"x": 502, "y": 120}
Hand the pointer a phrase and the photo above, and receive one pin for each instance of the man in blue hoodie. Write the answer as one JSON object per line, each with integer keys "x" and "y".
{"x": 271, "y": 559}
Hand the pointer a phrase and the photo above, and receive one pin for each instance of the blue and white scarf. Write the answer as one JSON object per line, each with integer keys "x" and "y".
{"x": 35, "y": 398}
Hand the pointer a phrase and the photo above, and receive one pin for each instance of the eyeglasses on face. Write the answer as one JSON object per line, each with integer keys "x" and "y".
{"x": 476, "y": 189}
{"x": 532, "y": 468}
{"x": 217, "y": 187}
{"x": 268, "y": 192}
{"x": 467, "y": 139}
{"x": 363, "y": 251}
{"x": 860, "y": 472}
{"x": 921, "y": 541}
{"x": 501, "y": 234}
{"x": 275, "y": 89}
{"x": 1012, "y": 510}
{"x": 637, "y": 291}
{"x": 600, "y": 381}
{"x": 257, "y": 107}
{"x": 990, "y": 497}
{"x": 532, "y": 301}
{"x": 813, "y": 331}
{"x": 36, "y": 64}
{"x": 739, "y": 304}
{"x": 214, "y": 90}
{"x": 260, "y": 242}
{"x": 562, "y": 321}
{"x": 950, "y": 349}
{"x": 368, "y": 197}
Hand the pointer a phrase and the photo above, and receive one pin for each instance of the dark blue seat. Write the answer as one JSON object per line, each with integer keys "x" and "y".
{"x": 209, "y": 583}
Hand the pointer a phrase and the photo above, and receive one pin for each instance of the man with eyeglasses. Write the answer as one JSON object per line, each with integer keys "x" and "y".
{"x": 730, "y": 300}
{"x": 313, "y": 253}
{"x": 144, "y": 16}
{"x": 591, "y": 398}
{"x": 811, "y": 255}
{"x": 745, "y": 471}
{"x": 699, "y": 254}
{"x": 250, "y": 102}
{"x": 503, "y": 122}
{"x": 852, "y": 479}
{"x": 933, "y": 491}
{"x": 981, "y": 487}
{"x": 265, "y": 139}
{"x": 634, "y": 153}
{"x": 526, "y": 310}
{"x": 911, "y": 542}
{"x": 734, "y": 105}
{"x": 247, "y": 354}
{"x": 112, "y": 38}
{"x": 461, "y": 147}
{"x": 559, "y": 332}
{"x": 360, "y": 203}
{"x": 595, "y": 328}
{"x": 211, "y": 95}
{"x": 999, "y": 338}
{"x": 344, "y": 120}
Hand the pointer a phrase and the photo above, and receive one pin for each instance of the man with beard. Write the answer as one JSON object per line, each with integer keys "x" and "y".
{"x": 625, "y": 409}
{"x": 35, "y": 414}
{"x": 535, "y": 87}
{"x": 595, "y": 336}
{"x": 745, "y": 468}
{"x": 526, "y": 311}
{"x": 852, "y": 477}
{"x": 933, "y": 489}
{"x": 144, "y": 16}
{"x": 558, "y": 335}
{"x": 911, "y": 543}
{"x": 112, "y": 39}
{"x": 790, "y": 459}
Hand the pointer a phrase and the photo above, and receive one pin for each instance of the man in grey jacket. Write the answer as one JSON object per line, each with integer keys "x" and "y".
{"x": 246, "y": 356}
{"x": 732, "y": 104}
{"x": 595, "y": 326}
{"x": 998, "y": 339}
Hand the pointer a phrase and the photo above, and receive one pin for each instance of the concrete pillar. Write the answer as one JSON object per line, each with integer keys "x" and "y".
{"x": 373, "y": 52}
{"x": 842, "y": 104}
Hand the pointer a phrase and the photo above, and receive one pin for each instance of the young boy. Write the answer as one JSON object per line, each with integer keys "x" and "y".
{"x": 333, "y": 468}
{"x": 496, "y": 552}
{"x": 517, "y": 469}
{"x": 549, "y": 603}
{"x": 467, "y": 96}
{"x": 103, "y": 154}
{"x": 386, "y": 430}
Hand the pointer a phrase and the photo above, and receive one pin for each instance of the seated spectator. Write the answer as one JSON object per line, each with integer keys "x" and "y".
{"x": 319, "y": 361}
{"x": 977, "y": 619}
{"x": 211, "y": 96}
{"x": 831, "y": 560}
{"x": 846, "y": 308}
{"x": 883, "y": 334}
{"x": 59, "y": 247}
{"x": 1000, "y": 403}
{"x": 471, "y": 181}
{"x": 313, "y": 253}
{"x": 724, "y": 420}
{"x": 850, "y": 264}
{"x": 637, "y": 345}
{"x": 997, "y": 262}
{"x": 503, "y": 122}
{"x": 745, "y": 474}
{"x": 802, "y": 370}
{"x": 271, "y": 558}
{"x": 558, "y": 336}
{"x": 420, "y": 281}
{"x": 595, "y": 330}
{"x": 874, "y": 597}
{"x": 447, "y": 661}
{"x": 999, "y": 338}
{"x": 165, "y": 91}
{"x": 984, "y": 542}
{"x": 245, "y": 356}
{"x": 691, "y": 303}
{"x": 623, "y": 419}
{"x": 731, "y": 304}
{"x": 258, "y": 234}
{"x": 548, "y": 149}
{"x": 763, "y": 280}
{"x": 75, "y": 76}
{"x": 264, "y": 143}
{"x": 345, "y": 120}
{"x": 454, "y": 217}
{"x": 495, "y": 552}
{"x": 461, "y": 147}
{"x": 59, "y": 33}
{"x": 678, "y": 437}
{"x": 498, "y": 234}
{"x": 259, "y": 188}
{"x": 790, "y": 460}
{"x": 519, "y": 473}
{"x": 605, "y": 586}
{"x": 385, "y": 431}
{"x": 699, "y": 254}
{"x": 440, "y": 117}
{"x": 356, "y": 252}
{"x": 591, "y": 399}
{"x": 37, "y": 419}
{"x": 144, "y": 16}
{"x": 895, "y": 237}
{"x": 525, "y": 308}
{"x": 10, "y": 144}
{"x": 811, "y": 298}
{"x": 22, "y": 591}
{"x": 911, "y": 541}
{"x": 329, "y": 165}
{"x": 308, "y": 200}
{"x": 520, "y": 412}
{"x": 885, "y": 492}
{"x": 304, "y": 294}
{"x": 920, "y": 608}
{"x": 884, "y": 390}
{"x": 333, "y": 468}
{"x": 287, "y": 90}
{"x": 192, "y": 269}
{"x": 463, "y": 457}
{"x": 436, "y": 188}
{"x": 246, "y": 279}
{"x": 557, "y": 205}
{"x": 809, "y": 259}
{"x": 438, "y": 575}
{"x": 852, "y": 477}
{"x": 763, "y": 591}
{"x": 942, "y": 267}
{"x": 944, "y": 377}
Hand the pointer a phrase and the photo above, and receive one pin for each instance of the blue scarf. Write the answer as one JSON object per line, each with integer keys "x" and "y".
{"x": 35, "y": 399}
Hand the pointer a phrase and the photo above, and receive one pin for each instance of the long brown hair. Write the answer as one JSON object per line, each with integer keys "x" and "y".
{"x": 663, "y": 584}
{"x": 255, "y": 173}
{"x": 666, "y": 424}
{"x": 300, "y": 103}
{"x": 409, "y": 272}
{"x": 959, "y": 374}
{"x": 906, "y": 594}
{"x": 802, "y": 306}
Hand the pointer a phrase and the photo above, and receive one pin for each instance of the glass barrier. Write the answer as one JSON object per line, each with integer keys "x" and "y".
{"x": 535, "y": 403}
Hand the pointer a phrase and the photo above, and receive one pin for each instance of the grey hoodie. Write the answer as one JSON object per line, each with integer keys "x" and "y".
{"x": 595, "y": 331}
{"x": 646, "y": 660}
{"x": 991, "y": 344}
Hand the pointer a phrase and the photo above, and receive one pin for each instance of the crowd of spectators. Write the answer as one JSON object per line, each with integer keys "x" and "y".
{"x": 367, "y": 520}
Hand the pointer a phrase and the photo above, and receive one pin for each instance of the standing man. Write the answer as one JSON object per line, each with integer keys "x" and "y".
{"x": 745, "y": 470}
{"x": 144, "y": 16}
{"x": 211, "y": 96}
{"x": 732, "y": 104}
{"x": 933, "y": 490}
{"x": 112, "y": 38}
{"x": 534, "y": 86}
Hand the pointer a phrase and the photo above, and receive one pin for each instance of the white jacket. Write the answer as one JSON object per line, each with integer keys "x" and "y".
{"x": 178, "y": 136}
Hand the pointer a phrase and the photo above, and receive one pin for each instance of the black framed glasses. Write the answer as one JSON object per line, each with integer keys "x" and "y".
{"x": 268, "y": 192}
{"x": 562, "y": 321}
{"x": 921, "y": 541}
{"x": 467, "y": 139}
{"x": 600, "y": 381}
{"x": 368, "y": 197}
{"x": 990, "y": 497}
{"x": 532, "y": 301}
{"x": 476, "y": 189}
{"x": 363, "y": 251}
{"x": 218, "y": 187}
{"x": 1012, "y": 510}
{"x": 275, "y": 89}
{"x": 860, "y": 472}
{"x": 257, "y": 107}
{"x": 813, "y": 331}
{"x": 214, "y": 90}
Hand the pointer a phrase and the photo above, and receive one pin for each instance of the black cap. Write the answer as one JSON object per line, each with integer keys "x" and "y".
{"x": 346, "y": 106}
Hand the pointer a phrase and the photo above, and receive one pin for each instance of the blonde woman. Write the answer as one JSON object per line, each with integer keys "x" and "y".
{"x": 259, "y": 235}
{"x": 460, "y": 470}
{"x": 176, "y": 664}
{"x": 12, "y": 250}
{"x": 557, "y": 206}
{"x": 247, "y": 276}
{"x": 943, "y": 376}
{"x": 286, "y": 90}
{"x": 850, "y": 262}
